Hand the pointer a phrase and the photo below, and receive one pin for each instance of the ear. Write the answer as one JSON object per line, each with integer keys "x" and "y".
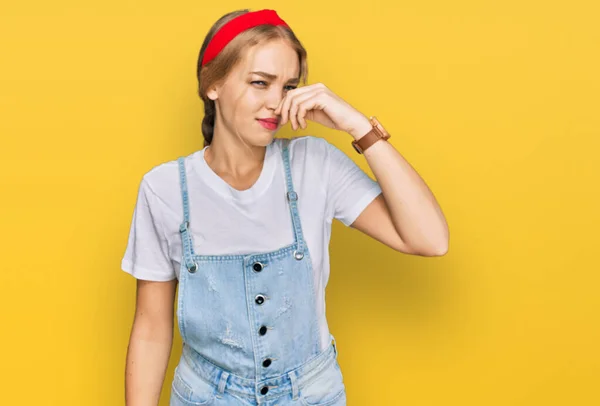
{"x": 212, "y": 93}
{"x": 214, "y": 90}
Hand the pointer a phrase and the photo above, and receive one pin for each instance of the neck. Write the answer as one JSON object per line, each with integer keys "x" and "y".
{"x": 233, "y": 159}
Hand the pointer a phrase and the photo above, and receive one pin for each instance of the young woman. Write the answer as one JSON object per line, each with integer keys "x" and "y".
{"x": 243, "y": 225}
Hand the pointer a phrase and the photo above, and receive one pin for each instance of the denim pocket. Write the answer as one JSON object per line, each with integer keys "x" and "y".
{"x": 188, "y": 389}
{"x": 327, "y": 388}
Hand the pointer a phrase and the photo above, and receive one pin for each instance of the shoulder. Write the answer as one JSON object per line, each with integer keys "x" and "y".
{"x": 162, "y": 179}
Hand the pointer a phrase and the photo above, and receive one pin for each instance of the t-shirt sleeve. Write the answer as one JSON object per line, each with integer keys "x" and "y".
{"x": 147, "y": 252}
{"x": 349, "y": 188}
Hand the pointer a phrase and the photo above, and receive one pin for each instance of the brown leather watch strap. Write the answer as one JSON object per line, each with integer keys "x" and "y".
{"x": 366, "y": 141}
{"x": 376, "y": 133}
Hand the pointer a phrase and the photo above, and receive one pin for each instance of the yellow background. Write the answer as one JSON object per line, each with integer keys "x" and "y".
{"x": 495, "y": 104}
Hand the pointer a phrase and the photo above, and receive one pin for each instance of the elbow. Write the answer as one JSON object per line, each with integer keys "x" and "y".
{"x": 441, "y": 250}
{"x": 438, "y": 250}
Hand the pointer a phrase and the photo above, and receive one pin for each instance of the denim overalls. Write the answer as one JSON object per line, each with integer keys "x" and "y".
{"x": 249, "y": 325}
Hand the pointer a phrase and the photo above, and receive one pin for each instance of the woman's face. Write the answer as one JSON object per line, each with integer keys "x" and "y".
{"x": 246, "y": 96}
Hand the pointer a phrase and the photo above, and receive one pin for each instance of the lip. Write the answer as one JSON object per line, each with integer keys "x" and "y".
{"x": 269, "y": 125}
{"x": 269, "y": 120}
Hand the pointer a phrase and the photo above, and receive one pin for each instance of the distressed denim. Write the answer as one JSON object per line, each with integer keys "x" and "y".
{"x": 249, "y": 325}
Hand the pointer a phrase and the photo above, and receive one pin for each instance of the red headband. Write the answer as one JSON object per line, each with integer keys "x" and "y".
{"x": 233, "y": 27}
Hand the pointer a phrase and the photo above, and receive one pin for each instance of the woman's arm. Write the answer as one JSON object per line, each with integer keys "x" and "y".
{"x": 406, "y": 216}
{"x": 150, "y": 342}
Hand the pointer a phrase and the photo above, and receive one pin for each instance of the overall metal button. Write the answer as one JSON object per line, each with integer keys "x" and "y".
{"x": 193, "y": 268}
{"x": 267, "y": 362}
{"x": 263, "y": 330}
{"x": 264, "y": 390}
{"x": 258, "y": 267}
{"x": 259, "y": 299}
{"x": 298, "y": 255}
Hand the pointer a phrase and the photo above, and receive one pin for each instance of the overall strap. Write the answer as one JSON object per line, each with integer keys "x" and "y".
{"x": 184, "y": 227}
{"x": 292, "y": 198}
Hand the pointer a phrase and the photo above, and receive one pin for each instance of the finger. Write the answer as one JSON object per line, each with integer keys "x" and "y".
{"x": 299, "y": 107}
{"x": 279, "y": 109}
{"x": 287, "y": 100}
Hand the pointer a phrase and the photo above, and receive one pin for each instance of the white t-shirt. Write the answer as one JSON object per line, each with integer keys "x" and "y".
{"x": 224, "y": 220}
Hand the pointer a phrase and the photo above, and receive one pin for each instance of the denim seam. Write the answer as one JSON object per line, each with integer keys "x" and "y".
{"x": 174, "y": 389}
{"x": 239, "y": 257}
{"x": 318, "y": 374}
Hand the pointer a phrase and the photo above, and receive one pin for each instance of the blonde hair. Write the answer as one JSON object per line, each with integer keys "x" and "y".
{"x": 218, "y": 69}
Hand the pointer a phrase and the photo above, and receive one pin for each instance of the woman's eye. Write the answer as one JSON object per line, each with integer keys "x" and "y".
{"x": 263, "y": 82}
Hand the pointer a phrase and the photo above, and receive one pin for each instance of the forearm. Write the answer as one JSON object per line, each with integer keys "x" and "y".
{"x": 417, "y": 217}
{"x": 147, "y": 360}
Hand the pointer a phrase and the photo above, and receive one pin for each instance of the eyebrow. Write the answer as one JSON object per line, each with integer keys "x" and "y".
{"x": 273, "y": 77}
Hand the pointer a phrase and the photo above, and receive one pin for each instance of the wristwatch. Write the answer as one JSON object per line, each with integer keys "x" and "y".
{"x": 375, "y": 134}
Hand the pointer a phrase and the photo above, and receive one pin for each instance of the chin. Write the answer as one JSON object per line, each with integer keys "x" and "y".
{"x": 264, "y": 139}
